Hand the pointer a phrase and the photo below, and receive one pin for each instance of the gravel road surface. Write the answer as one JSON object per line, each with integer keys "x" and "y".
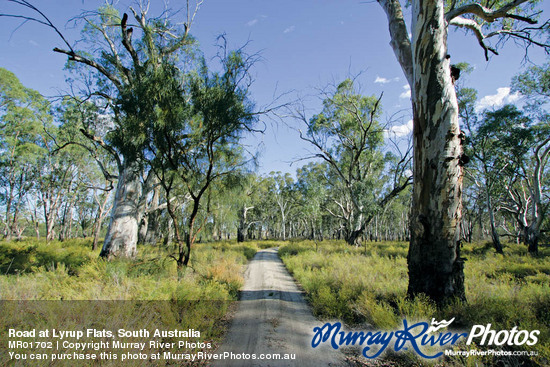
{"x": 273, "y": 317}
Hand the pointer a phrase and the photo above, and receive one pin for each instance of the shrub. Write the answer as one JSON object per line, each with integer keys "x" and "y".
{"x": 367, "y": 286}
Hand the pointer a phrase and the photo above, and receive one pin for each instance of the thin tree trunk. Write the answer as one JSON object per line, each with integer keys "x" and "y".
{"x": 143, "y": 225}
{"x": 190, "y": 235}
{"x": 494, "y": 234}
{"x": 153, "y": 227}
{"x": 7, "y": 228}
{"x": 241, "y": 230}
{"x": 101, "y": 211}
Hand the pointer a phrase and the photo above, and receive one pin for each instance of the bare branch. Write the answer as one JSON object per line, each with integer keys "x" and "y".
{"x": 478, "y": 32}
{"x": 400, "y": 42}
{"x": 99, "y": 141}
{"x": 74, "y": 57}
{"x": 475, "y": 16}
{"x": 489, "y": 15}
{"x": 45, "y": 22}
{"x": 127, "y": 37}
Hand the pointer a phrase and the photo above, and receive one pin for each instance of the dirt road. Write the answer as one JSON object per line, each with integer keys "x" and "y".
{"x": 272, "y": 317}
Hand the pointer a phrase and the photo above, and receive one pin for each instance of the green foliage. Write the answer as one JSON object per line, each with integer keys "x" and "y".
{"x": 31, "y": 256}
{"x": 69, "y": 270}
{"x": 24, "y": 117}
{"x": 359, "y": 177}
{"x": 367, "y": 288}
{"x": 534, "y": 83}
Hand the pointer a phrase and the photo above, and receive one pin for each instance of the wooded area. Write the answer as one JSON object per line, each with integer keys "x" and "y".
{"x": 147, "y": 151}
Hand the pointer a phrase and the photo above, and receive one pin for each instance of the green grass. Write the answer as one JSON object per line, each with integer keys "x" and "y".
{"x": 68, "y": 270}
{"x": 146, "y": 292}
{"x": 366, "y": 287}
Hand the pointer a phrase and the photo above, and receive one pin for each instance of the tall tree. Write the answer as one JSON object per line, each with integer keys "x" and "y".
{"x": 113, "y": 68}
{"x": 282, "y": 197}
{"x": 195, "y": 133}
{"x": 24, "y": 115}
{"x": 435, "y": 265}
{"x": 528, "y": 201}
{"x": 314, "y": 187}
{"x": 526, "y": 198}
{"x": 534, "y": 84}
{"x": 497, "y": 143}
{"x": 349, "y": 138}
{"x": 247, "y": 199}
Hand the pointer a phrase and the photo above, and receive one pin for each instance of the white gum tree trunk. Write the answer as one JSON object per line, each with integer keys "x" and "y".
{"x": 122, "y": 233}
{"x": 435, "y": 265}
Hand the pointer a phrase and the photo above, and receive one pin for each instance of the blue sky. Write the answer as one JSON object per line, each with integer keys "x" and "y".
{"x": 304, "y": 45}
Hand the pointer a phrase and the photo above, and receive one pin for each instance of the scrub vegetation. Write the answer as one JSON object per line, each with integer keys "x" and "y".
{"x": 37, "y": 270}
{"x": 115, "y": 293}
{"x": 125, "y": 183}
{"x": 366, "y": 287}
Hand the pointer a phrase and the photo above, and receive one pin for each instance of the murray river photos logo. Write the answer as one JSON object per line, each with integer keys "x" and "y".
{"x": 417, "y": 336}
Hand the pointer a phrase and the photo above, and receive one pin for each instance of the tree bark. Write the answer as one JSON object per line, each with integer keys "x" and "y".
{"x": 143, "y": 225}
{"x": 121, "y": 237}
{"x": 153, "y": 227}
{"x": 494, "y": 234}
{"x": 100, "y": 216}
{"x": 242, "y": 229}
{"x": 435, "y": 266}
{"x": 532, "y": 234}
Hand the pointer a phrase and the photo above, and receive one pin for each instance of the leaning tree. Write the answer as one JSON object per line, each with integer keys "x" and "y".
{"x": 114, "y": 61}
{"x": 435, "y": 265}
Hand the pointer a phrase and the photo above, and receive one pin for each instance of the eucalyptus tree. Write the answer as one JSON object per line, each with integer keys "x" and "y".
{"x": 313, "y": 184}
{"x": 112, "y": 67}
{"x": 529, "y": 200}
{"x": 498, "y": 142}
{"x": 265, "y": 211}
{"x": 94, "y": 163}
{"x": 57, "y": 178}
{"x": 488, "y": 165}
{"x": 248, "y": 197}
{"x": 349, "y": 138}
{"x": 534, "y": 84}
{"x": 223, "y": 202}
{"x": 24, "y": 115}
{"x": 435, "y": 265}
{"x": 280, "y": 199}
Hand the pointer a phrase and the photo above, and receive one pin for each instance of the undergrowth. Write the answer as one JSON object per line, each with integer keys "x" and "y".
{"x": 66, "y": 286}
{"x": 365, "y": 287}
{"x": 69, "y": 270}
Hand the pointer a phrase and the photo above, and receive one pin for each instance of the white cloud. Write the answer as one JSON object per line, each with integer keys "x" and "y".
{"x": 289, "y": 29}
{"x": 400, "y": 130}
{"x": 34, "y": 43}
{"x": 381, "y": 80}
{"x": 252, "y": 22}
{"x": 407, "y": 92}
{"x": 502, "y": 97}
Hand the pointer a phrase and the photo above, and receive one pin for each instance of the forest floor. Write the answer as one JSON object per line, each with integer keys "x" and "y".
{"x": 273, "y": 318}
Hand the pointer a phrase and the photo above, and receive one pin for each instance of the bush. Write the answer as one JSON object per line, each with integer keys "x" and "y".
{"x": 367, "y": 287}
{"x": 29, "y": 256}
